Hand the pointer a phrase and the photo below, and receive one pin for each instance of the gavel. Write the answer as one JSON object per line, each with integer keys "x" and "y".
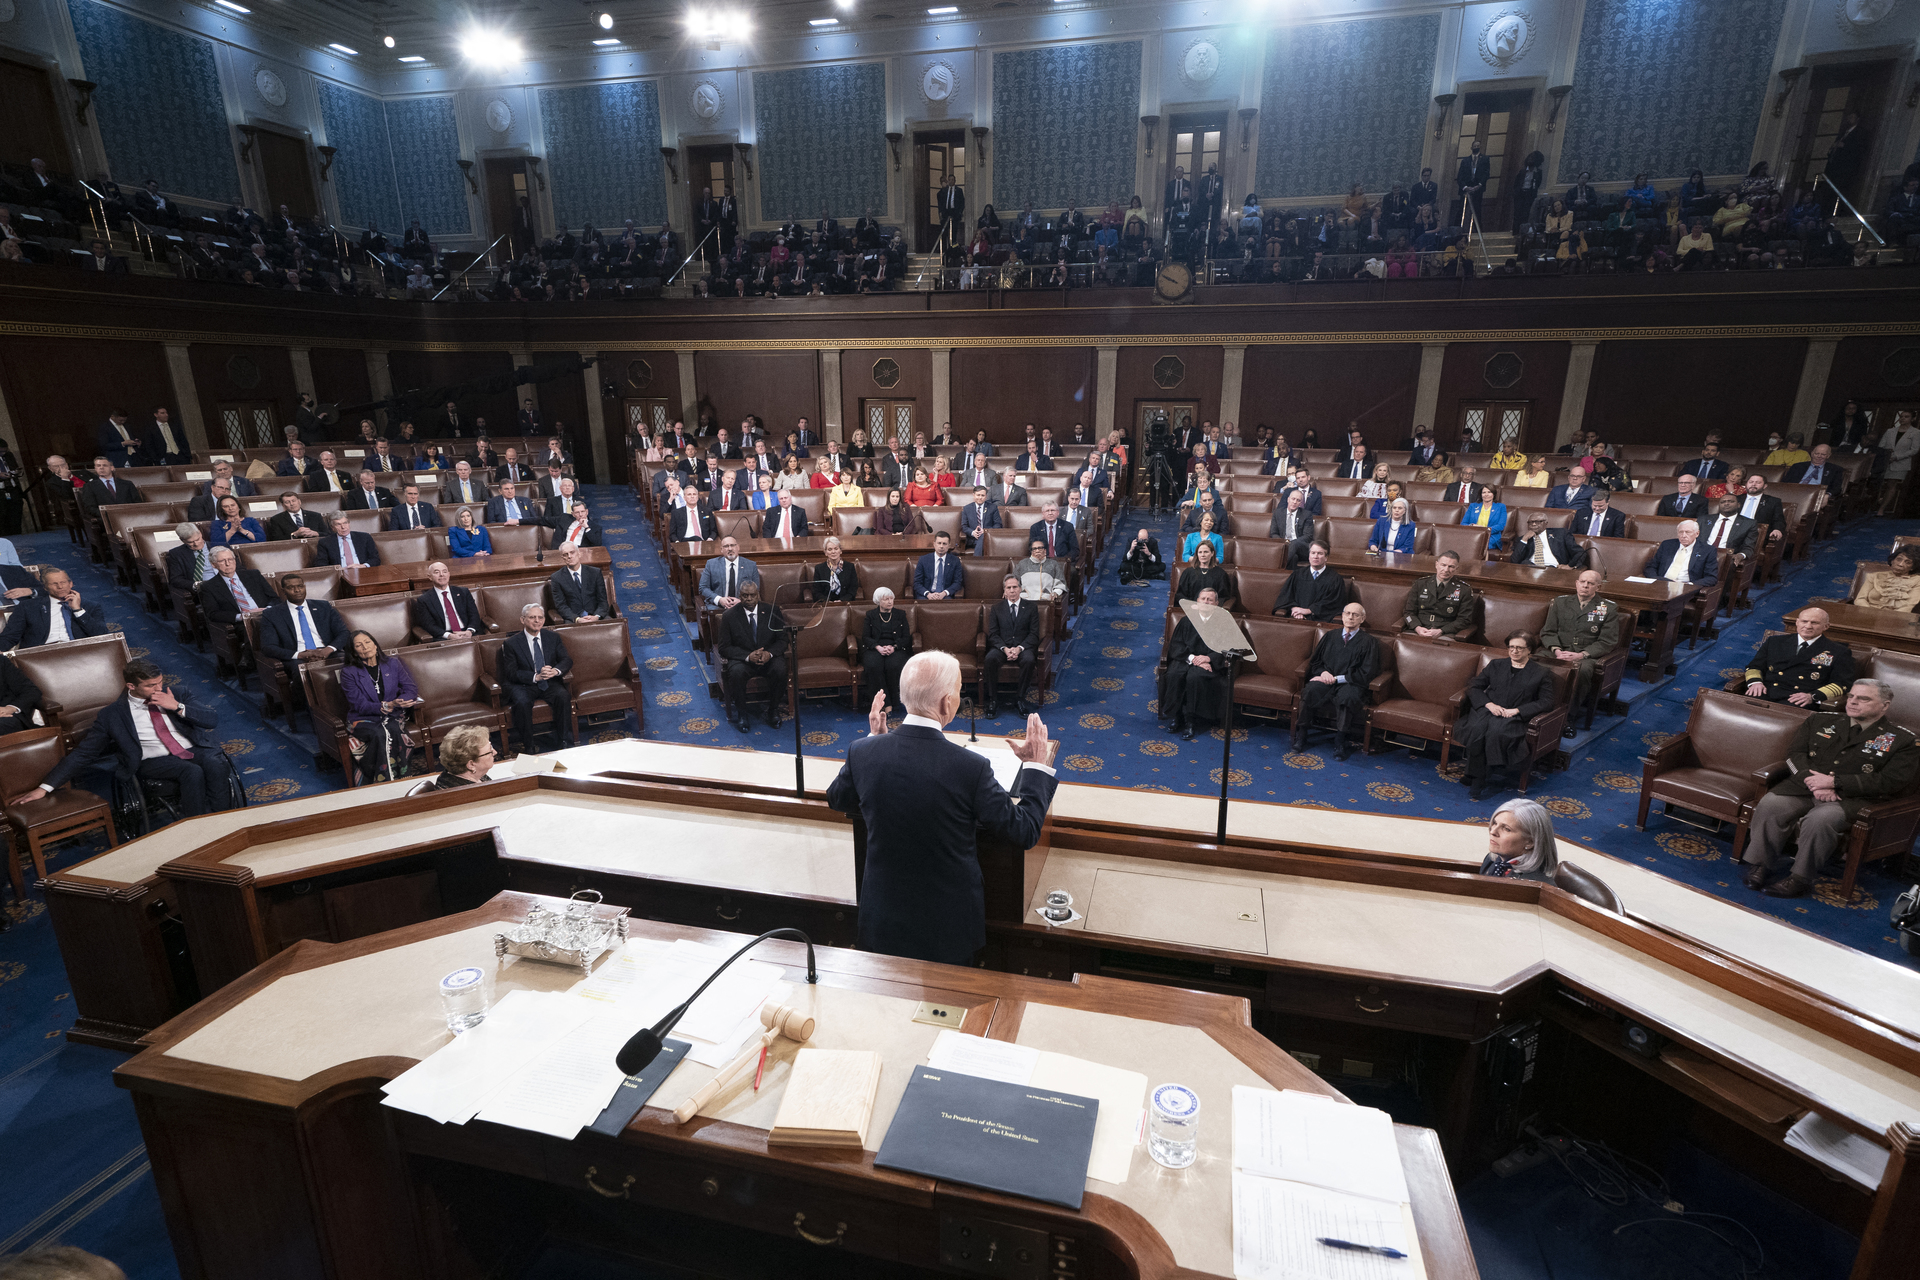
{"x": 779, "y": 1020}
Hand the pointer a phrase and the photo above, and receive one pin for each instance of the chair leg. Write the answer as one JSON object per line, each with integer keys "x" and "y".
{"x": 39, "y": 856}
{"x": 13, "y": 869}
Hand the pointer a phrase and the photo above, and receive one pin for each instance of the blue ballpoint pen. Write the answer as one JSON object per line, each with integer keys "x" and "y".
{"x": 1379, "y": 1249}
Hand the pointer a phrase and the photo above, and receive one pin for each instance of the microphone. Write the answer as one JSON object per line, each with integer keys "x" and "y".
{"x": 646, "y": 1044}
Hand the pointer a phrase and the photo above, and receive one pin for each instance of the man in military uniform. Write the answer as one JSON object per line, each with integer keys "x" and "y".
{"x": 1440, "y": 604}
{"x": 1583, "y": 628}
{"x": 1838, "y": 764}
{"x": 1803, "y": 668}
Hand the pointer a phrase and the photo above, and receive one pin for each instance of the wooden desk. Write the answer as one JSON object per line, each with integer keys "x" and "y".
{"x": 1868, "y": 628}
{"x": 474, "y": 571}
{"x": 273, "y": 1155}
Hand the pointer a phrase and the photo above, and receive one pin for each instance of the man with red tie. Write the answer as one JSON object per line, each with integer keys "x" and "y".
{"x": 786, "y": 521}
{"x": 1062, "y": 542}
{"x": 444, "y": 611}
{"x": 157, "y": 735}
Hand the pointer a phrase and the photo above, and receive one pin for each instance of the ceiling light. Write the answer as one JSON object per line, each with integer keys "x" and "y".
{"x": 387, "y": 41}
{"x": 843, "y": 4}
{"x": 604, "y": 43}
{"x": 823, "y": 22}
{"x": 413, "y": 57}
{"x": 229, "y": 4}
{"x": 713, "y": 23}
{"x": 606, "y": 22}
{"x": 340, "y": 48}
{"x": 490, "y": 48}
{"x": 943, "y": 10}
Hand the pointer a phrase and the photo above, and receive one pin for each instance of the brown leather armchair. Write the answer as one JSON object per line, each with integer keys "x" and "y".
{"x": 605, "y": 678}
{"x": 1719, "y": 765}
{"x": 1259, "y": 590}
{"x": 456, "y": 688}
{"x": 327, "y": 708}
{"x": 25, "y": 760}
{"x": 825, "y": 655}
{"x": 1469, "y": 542}
{"x": 1256, "y": 553}
{"x": 1042, "y": 654}
{"x": 1583, "y": 884}
{"x": 951, "y": 626}
{"x": 849, "y": 520}
{"x": 388, "y": 618}
{"x": 983, "y": 577}
{"x": 1385, "y": 603}
{"x": 1424, "y": 693}
{"x": 891, "y": 574}
{"x": 1501, "y": 616}
{"x": 500, "y": 604}
{"x": 76, "y": 679}
{"x": 1281, "y": 648}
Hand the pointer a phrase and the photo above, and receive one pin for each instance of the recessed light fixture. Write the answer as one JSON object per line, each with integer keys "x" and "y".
{"x": 823, "y": 22}
{"x": 715, "y": 23}
{"x": 606, "y": 21}
{"x": 490, "y": 48}
{"x": 944, "y": 9}
{"x": 229, "y": 5}
{"x": 340, "y": 48}
{"x": 413, "y": 57}
{"x": 604, "y": 43}
{"x": 387, "y": 41}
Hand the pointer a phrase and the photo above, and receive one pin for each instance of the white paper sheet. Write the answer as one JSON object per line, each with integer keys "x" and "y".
{"x": 1277, "y": 1226}
{"x": 650, "y": 978}
{"x": 978, "y": 1056}
{"x": 1631, "y": 578}
{"x": 1306, "y": 1138}
{"x": 453, "y": 1084}
{"x": 1000, "y": 756}
{"x": 1839, "y": 1148}
{"x": 568, "y": 1084}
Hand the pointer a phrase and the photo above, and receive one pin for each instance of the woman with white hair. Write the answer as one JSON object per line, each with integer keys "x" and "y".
{"x": 1520, "y": 842}
{"x": 886, "y": 642}
{"x": 1393, "y": 531}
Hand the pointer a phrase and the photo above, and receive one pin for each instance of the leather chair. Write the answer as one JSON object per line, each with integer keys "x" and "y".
{"x": 146, "y": 547}
{"x": 516, "y": 539}
{"x": 407, "y": 546}
{"x": 943, "y": 520}
{"x": 825, "y": 656}
{"x": 605, "y": 678}
{"x": 1652, "y": 528}
{"x": 75, "y": 680}
{"x": 1543, "y": 731}
{"x": 500, "y": 604}
{"x": 1469, "y": 542}
{"x": 1588, "y": 887}
{"x": 1003, "y": 544}
{"x": 278, "y": 557}
{"x": 1501, "y": 616}
{"x": 1618, "y": 558}
{"x": 327, "y": 708}
{"x": 367, "y": 522}
{"x": 951, "y": 626}
{"x": 777, "y": 583}
{"x": 1717, "y": 767}
{"x": 118, "y": 521}
{"x": 1883, "y": 829}
{"x": 1259, "y": 589}
{"x": 1384, "y": 602}
{"x": 1042, "y": 678}
{"x": 892, "y": 574}
{"x": 1349, "y": 535}
{"x": 489, "y": 649}
{"x": 1281, "y": 648}
{"x": 1333, "y": 508}
{"x": 984, "y": 578}
{"x": 456, "y": 688}
{"x": 812, "y": 503}
{"x": 847, "y": 520}
{"x": 1251, "y": 508}
{"x": 388, "y": 618}
{"x": 323, "y": 582}
{"x": 26, "y": 759}
{"x": 744, "y": 525}
{"x": 321, "y": 504}
{"x": 1248, "y": 552}
{"x": 1425, "y": 692}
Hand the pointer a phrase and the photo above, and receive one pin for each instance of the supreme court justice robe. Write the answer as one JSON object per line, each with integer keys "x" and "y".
{"x": 1191, "y": 691}
{"x": 1528, "y": 689}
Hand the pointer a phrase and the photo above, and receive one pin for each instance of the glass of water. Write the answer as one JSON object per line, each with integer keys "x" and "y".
{"x": 463, "y": 994}
{"x": 1173, "y": 1126}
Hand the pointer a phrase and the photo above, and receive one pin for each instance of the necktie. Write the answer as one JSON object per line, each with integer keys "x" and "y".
{"x": 1801, "y": 652}
{"x": 1812, "y": 476}
{"x": 239, "y": 593}
{"x": 786, "y": 534}
{"x": 513, "y": 509}
{"x": 162, "y": 731}
{"x": 306, "y": 632}
{"x": 1540, "y": 550}
{"x": 333, "y": 481}
{"x": 1347, "y": 636}
{"x": 576, "y": 577}
{"x": 1050, "y": 551}
{"x": 200, "y": 566}
{"x": 110, "y": 489}
{"x": 346, "y": 551}
{"x": 939, "y": 571}
{"x": 566, "y": 505}
{"x": 453, "y": 616}
{"x": 733, "y": 579}
{"x": 1594, "y": 529}
{"x": 1721, "y": 528}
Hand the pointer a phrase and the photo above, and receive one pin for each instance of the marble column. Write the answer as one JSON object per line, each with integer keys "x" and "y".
{"x": 1814, "y": 370}
{"x": 597, "y": 422}
{"x": 302, "y": 360}
{"x": 832, "y": 411}
{"x": 380, "y": 380}
{"x": 1573, "y": 393}
{"x": 689, "y": 394}
{"x": 1426, "y": 396}
{"x": 1106, "y": 380}
{"x": 1232, "y": 368}
{"x": 187, "y": 398}
{"x": 942, "y": 391}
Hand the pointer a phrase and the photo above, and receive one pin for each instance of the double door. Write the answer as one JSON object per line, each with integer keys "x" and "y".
{"x": 1498, "y": 122}
{"x": 248, "y": 424}
{"x": 887, "y": 421}
{"x": 650, "y": 414}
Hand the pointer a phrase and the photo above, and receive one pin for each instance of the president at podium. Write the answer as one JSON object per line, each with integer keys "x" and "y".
{"x": 925, "y": 801}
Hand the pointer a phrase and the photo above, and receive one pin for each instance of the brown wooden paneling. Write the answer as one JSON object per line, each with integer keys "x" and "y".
{"x": 781, "y": 386}
{"x": 915, "y": 384}
{"x": 222, "y": 372}
{"x": 1463, "y": 376}
{"x": 60, "y": 389}
{"x": 429, "y": 369}
{"x": 563, "y": 411}
{"x": 1001, "y": 390}
{"x": 1200, "y": 369}
{"x": 340, "y": 377}
{"x": 1672, "y": 393}
{"x": 660, "y": 379}
{"x": 1326, "y": 387}
{"x": 1859, "y": 371}
{"x": 32, "y": 112}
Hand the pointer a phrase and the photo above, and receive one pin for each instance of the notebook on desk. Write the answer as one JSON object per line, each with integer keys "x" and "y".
{"x": 1011, "y": 1138}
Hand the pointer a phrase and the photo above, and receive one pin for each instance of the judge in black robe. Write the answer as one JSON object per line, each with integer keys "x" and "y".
{"x": 1504, "y": 697}
{"x": 1204, "y": 575}
{"x": 1196, "y": 683}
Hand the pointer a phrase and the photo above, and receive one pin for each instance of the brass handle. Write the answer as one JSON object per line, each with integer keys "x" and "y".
{"x": 721, "y": 911}
{"x": 621, "y": 1194}
{"x": 838, "y": 1235}
{"x": 710, "y": 1187}
{"x": 1360, "y": 1003}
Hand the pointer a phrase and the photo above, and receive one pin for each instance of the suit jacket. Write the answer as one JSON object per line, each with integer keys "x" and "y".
{"x": 713, "y": 577}
{"x": 1824, "y": 670}
{"x": 770, "y": 522}
{"x": 923, "y": 800}
{"x": 1005, "y": 628}
{"x": 1382, "y": 530}
{"x": 1008, "y": 495}
{"x": 33, "y": 618}
{"x": 16, "y": 690}
{"x": 382, "y": 463}
{"x": 96, "y": 494}
{"x": 1277, "y": 527}
{"x": 518, "y": 662}
{"x": 589, "y": 595}
{"x": 952, "y": 577}
{"x": 450, "y": 490}
{"x": 1325, "y": 595}
{"x": 363, "y": 549}
{"x": 1091, "y": 499}
{"x": 1066, "y": 543}
{"x": 107, "y": 441}
{"x": 218, "y": 603}
{"x": 357, "y": 499}
{"x": 1473, "y": 171}
{"x": 1464, "y": 492}
{"x": 1703, "y": 566}
{"x": 721, "y": 498}
{"x": 280, "y": 528}
{"x": 1769, "y": 511}
{"x": 1612, "y": 525}
{"x": 1033, "y": 462}
{"x": 893, "y": 629}
{"x": 741, "y": 635}
{"x": 974, "y": 518}
{"x": 1830, "y": 477}
{"x": 677, "y": 528}
{"x": 288, "y": 467}
{"x": 1357, "y": 659}
{"x": 200, "y": 508}
{"x": 1743, "y": 539}
{"x": 422, "y": 516}
{"x": 1351, "y": 470}
{"x": 1693, "y": 507}
{"x": 153, "y": 446}
{"x": 180, "y": 567}
{"x": 1564, "y": 498}
{"x": 1707, "y": 471}
{"x": 113, "y": 734}
{"x": 280, "y": 636}
{"x": 316, "y": 481}
{"x": 1868, "y": 762}
{"x": 1566, "y": 551}
{"x": 846, "y": 581}
{"x": 518, "y": 473}
{"x": 430, "y": 617}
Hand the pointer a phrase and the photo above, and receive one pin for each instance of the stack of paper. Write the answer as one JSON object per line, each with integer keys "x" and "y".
{"x": 1840, "y": 1149}
{"x": 1306, "y": 1167}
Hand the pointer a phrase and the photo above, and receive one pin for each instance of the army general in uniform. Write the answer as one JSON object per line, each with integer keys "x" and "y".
{"x": 1803, "y": 668}
{"x": 1582, "y": 628}
{"x": 1440, "y": 604}
{"x": 1838, "y": 763}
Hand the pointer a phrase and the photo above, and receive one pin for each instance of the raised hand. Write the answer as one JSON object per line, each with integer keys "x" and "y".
{"x": 1033, "y": 749}
{"x": 877, "y": 714}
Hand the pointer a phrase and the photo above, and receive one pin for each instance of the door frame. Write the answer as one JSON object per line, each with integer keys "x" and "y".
{"x": 919, "y": 201}
{"x": 1137, "y": 427}
{"x": 70, "y": 142}
{"x": 1802, "y": 112}
{"x": 1444, "y": 156}
{"x": 253, "y": 174}
{"x": 893, "y": 403}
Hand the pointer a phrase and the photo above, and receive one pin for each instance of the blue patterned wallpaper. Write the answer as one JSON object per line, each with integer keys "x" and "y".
{"x": 171, "y": 125}
{"x": 821, "y": 140}
{"x": 1065, "y": 119}
{"x": 603, "y": 153}
{"x": 426, "y": 151}
{"x": 1665, "y": 86}
{"x": 1345, "y": 102}
{"x": 362, "y": 172}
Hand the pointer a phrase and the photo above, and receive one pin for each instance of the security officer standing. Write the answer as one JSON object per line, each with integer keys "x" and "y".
{"x": 1440, "y": 604}
{"x": 1803, "y": 668}
{"x": 1583, "y": 628}
{"x": 1839, "y": 763}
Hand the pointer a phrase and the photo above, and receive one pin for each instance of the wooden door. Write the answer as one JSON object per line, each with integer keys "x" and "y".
{"x": 1498, "y": 122}
{"x": 286, "y": 168}
{"x": 887, "y": 421}
{"x": 1485, "y": 423}
{"x": 643, "y": 413}
{"x": 247, "y": 424}
{"x": 509, "y": 206}
{"x": 935, "y": 155}
{"x": 708, "y": 168}
{"x": 32, "y": 113}
{"x": 1836, "y": 92}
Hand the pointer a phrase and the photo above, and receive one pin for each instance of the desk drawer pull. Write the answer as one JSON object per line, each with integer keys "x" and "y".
{"x": 1360, "y": 1003}
{"x": 800, "y": 1218}
{"x": 621, "y": 1194}
{"x": 721, "y": 911}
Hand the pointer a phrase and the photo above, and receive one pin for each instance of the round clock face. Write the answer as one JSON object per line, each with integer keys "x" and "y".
{"x": 1174, "y": 280}
{"x": 499, "y": 115}
{"x": 271, "y": 88}
{"x": 1865, "y": 13}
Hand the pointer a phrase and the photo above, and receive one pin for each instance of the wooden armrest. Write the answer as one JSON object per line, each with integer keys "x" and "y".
{"x": 1771, "y": 774}
{"x": 1670, "y": 754}
{"x": 1887, "y": 807}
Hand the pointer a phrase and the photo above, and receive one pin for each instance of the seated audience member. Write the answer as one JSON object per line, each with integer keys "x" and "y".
{"x": 532, "y": 665}
{"x": 188, "y": 564}
{"x": 1574, "y": 494}
{"x": 578, "y": 591}
{"x": 976, "y": 518}
{"x": 466, "y": 753}
{"x": 1817, "y": 469}
{"x": 570, "y": 520}
{"x": 922, "y": 492}
{"x": 238, "y": 486}
{"x": 293, "y": 522}
{"x": 1439, "y": 470}
{"x": 1292, "y": 524}
{"x": 1013, "y": 635}
{"x": 411, "y": 513}
{"x": 1785, "y": 453}
{"x": 1685, "y": 558}
{"x": 379, "y": 692}
{"x": 342, "y": 546}
{"x": 1142, "y": 562}
{"x": 1440, "y": 604}
{"x": 157, "y": 735}
{"x": 847, "y": 493}
{"x": 786, "y": 521}
{"x": 1837, "y": 765}
{"x": 468, "y": 537}
{"x": 1509, "y": 458}
{"x": 750, "y": 646}
{"x": 1903, "y": 212}
{"x": 1041, "y": 578}
{"x": 52, "y": 617}
{"x": 1897, "y": 587}
{"x": 366, "y": 494}
{"x": 1061, "y": 540}
{"x": 295, "y": 629}
{"x": 100, "y": 259}
{"x": 296, "y": 463}
{"x": 19, "y": 698}
{"x": 1730, "y": 482}
{"x": 938, "y": 575}
{"x": 1803, "y": 668}
{"x": 1536, "y": 476}
{"x": 1520, "y": 843}
{"x": 233, "y": 593}
{"x": 722, "y": 576}
{"x": 1203, "y": 535}
{"x": 1203, "y": 574}
{"x": 232, "y": 528}
{"x": 1732, "y": 531}
{"x": 1342, "y": 665}
{"x": 1546, "y": 548}
{"x": 104, "y": 490}
{"x": 446, "y": 611}
{"x": 1503, "y": 698}
{"x": 1582, "y": 628}
{"x": 326, "y": 478}
{"x": 206, "y": 506}
{"x": 898, "y": 517}
{"x": 1684, "y": 503}
{"x": 1394, "y": 531}
{"x": 1196, "y": 681}
{"x": 835, "y": 579}
{"x": 1312, "y": 591}
{"x": 465, "y": 486}
{"x": 689, "y": 519}
{"x": 1598, "y": 520}
{"x": 1490, "y": 515}
{"x": 886, "y": 642}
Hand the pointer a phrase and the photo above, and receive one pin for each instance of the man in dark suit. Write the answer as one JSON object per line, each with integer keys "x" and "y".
{"x": 296, "y": 463}
{"x": 691, "y": 520}
{"x": 1470, "y": 182}
{"x": 511, "y": 470}
{"x": 1088, "y": 487}
{"x": 1465, "y": 490}
{"x": 1575, "y": 494}
{"x": 450, "y": 423}
{"x": 50, "y": 618}
{"x": 1009, "y": 493}
{"x": 162, "y": 443}
{"x": 578, "y": 591}
{"x": 1708, "y": 468}
{"x": 382, "y": 459}
{"x": 206, "y": 506}
{"x": 1342, "y": 664}
{"x": 293, "y": 522}
{"x": 1598, "y": 520}
{"x": 1013, "y": 635}
{"x": 939, "y": 576}
{"x": 105, "y": 491}
{"x": 1701, "y": 562}
{"x": 1686, "y": 503}
{"x": 187, "y": 565}
{"x": 152, "y": 207}
{"x": 1179, "y": 189}
{"x": 1763, "y": 508}
{"x": 1310, "y": 495}
{"x": 785, "y": 521}
{"x": 1313, "y": 590}
{"x": 555, "y": 454}
{"x": 705, "y": 473}
{"x": 1423, "y": 449}
{"x": 925, "y": 802}
{"x": 155, "y": 735}
{"x": 1819, "y": 470}
{"x": 103, "y": 260}
{"x": 952, "y": 202}
{"x": 19, "y": 697}
{"x": 298, "y": 630}
{"x": 117, "y": 442}
{"x": 241, "y": 487}
{"x": 464, "y": 486}
{"x": 571, "y": 521}
{"x": 1546, "y": 548}
{"x": 532, "y": 665}
{"x": 1731, "y": 531}
{"x": 976, "y": 518}
{"x": 1062, "y": 542}
{"x": 1292, "y": 525}
{"x": 752, "y": 644}
{"x": 728, "y": 496}
{"x": 327, "y": 477}
{"x": 232, "y": 593}
{"x": 445, "y": 611}
{"x": 1033, "y": 459}
{"x": 724, "y": 448}
{"x": 1803, "y": 668}
{"x": 366, "y": 495}
{"x": 508, "y": 507}
{"x": 411, "y": 513}
{"x": 886, "y": 642}
{"x": 342, "y": 546}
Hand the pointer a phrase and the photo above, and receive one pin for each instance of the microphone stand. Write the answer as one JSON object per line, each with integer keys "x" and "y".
{"x": 645, "y": 1045}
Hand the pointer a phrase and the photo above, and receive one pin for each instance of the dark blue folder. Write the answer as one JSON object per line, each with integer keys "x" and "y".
{"x": 1000, "y": 1137}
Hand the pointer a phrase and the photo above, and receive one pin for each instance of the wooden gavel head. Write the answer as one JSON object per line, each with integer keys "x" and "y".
{"x": 783, "y": 1019}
